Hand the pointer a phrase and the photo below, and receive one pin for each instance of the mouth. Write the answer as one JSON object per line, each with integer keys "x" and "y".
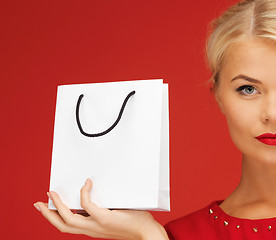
{"x": 267, "y": 138}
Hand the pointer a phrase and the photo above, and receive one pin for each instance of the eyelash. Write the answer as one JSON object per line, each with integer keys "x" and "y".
{"x": 239, "y": 89}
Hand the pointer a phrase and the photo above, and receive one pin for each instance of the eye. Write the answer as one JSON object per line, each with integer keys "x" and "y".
{"x": 248, "y": 90}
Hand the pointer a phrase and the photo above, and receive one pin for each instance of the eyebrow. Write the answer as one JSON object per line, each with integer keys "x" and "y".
{"x": 246, "y": 78}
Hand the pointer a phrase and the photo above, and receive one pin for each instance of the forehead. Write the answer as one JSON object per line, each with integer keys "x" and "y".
{"x": 256, "y": 58}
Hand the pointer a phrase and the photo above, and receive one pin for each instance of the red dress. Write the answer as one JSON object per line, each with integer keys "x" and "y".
{"x": 212, "y": 223}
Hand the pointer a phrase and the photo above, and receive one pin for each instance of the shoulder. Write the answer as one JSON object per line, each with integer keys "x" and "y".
{"x": 196, "y": 224}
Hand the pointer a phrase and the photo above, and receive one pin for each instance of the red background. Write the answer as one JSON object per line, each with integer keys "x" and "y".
{"x": 47, "y": 43}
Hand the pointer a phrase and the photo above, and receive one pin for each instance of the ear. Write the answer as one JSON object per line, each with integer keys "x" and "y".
{"x": 220, "y": 104}
{"x": 217, "y": 94}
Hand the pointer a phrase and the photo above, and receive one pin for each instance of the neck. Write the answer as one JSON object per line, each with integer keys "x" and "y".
{"x": 258, "y": 181}
{"x": 255, "y": 196}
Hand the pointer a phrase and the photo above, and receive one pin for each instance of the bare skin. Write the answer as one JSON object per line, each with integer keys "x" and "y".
{"x": 102, "y": 222}
{"x": 249, "y": 115}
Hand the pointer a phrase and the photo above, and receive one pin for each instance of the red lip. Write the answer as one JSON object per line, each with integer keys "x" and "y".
{"x": 267, "y": 138}
{"x": 267, "y": 135}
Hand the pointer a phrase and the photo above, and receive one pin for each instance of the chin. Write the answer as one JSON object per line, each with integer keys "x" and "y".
{"x": 266, "y": 156}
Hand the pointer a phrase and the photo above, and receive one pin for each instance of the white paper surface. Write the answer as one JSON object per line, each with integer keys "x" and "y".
{"x": 129, "y": 166}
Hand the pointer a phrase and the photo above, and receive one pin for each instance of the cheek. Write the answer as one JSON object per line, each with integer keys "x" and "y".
{"x": 244, "y": 125}
{"x": 241, "y": 119}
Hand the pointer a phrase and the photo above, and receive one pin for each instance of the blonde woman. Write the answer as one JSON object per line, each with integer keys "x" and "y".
{"x": 241, "y": 51}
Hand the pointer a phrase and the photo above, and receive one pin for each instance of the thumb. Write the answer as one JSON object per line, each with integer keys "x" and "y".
{"x": 88, "y": 184}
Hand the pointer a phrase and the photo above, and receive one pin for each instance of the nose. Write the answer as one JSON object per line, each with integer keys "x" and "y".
{"x": 269, "y": 110}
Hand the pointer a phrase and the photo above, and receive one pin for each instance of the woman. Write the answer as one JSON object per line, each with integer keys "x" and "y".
{"x": 241, "y": 52}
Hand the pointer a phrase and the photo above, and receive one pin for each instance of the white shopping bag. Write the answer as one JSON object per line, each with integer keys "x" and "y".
{"x": 117, "y": 134}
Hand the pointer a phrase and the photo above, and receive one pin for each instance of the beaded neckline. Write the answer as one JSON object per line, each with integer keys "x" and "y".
{"x": 216, "y": 206}
{"x": 218, "y": 216}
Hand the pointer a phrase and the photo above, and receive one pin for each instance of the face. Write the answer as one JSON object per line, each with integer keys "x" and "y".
{"x": 247, "y": 96}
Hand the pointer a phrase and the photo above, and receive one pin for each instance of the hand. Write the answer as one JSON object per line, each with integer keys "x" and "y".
{"x": 100, "y": 222}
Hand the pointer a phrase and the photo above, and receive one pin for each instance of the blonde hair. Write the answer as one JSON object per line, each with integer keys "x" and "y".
{"x": 244, "y": 20}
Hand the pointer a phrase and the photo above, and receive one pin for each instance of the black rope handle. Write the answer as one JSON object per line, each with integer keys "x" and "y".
{"x": 109, "y": 129}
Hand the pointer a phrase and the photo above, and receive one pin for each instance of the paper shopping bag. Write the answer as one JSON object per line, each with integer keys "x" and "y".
{"x": 117, "y": 134}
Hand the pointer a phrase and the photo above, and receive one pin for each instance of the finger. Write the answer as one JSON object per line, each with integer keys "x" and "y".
{"x": 91, "y": 229}
{"x": 91, "y": 208}
{"x": 55, "y": 219}
{"x": 66, "y": 214}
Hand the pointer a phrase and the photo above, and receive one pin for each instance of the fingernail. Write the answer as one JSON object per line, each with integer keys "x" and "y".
{"x": 37, "y": 207}
{"x": 49, "y": 195}
{"x": 87, "y": 180}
